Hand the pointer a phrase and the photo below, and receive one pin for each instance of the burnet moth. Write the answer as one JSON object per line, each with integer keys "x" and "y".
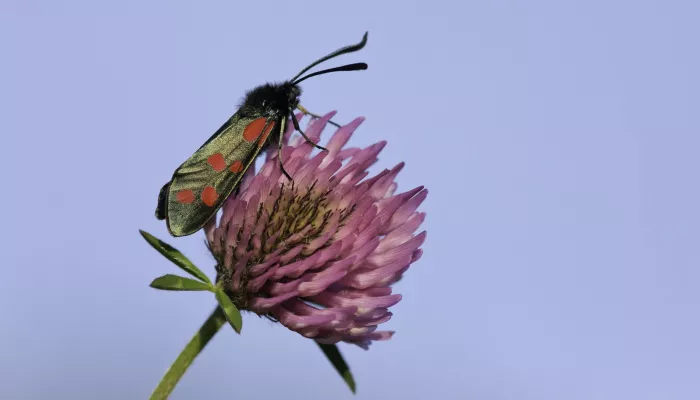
{"x": 201, "y": 184}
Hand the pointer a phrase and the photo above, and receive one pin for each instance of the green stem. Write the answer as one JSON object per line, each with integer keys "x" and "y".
{"x": 188, "y": 354}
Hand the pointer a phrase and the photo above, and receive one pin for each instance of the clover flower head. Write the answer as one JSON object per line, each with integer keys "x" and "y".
{"x": 319, "y": 253}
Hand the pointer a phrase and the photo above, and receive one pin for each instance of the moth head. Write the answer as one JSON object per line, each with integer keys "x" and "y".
{"x": 293, "y": 94}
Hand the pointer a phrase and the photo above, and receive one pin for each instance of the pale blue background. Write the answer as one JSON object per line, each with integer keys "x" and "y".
{"x": 559, "y": 141}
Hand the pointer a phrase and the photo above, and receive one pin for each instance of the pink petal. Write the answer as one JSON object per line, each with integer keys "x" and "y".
{"x": 342, "y": 135}
{"x": 321, "y": 280}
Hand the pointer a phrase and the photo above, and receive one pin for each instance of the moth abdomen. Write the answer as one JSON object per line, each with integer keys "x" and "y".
{"x": 161, "y": 208}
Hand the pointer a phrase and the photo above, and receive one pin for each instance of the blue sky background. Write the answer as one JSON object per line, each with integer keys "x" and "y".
{"x": 559, "y": 141}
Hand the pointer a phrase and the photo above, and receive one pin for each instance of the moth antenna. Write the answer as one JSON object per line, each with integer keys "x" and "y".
{"x": 348, "y": 67}
{"x": 343, "y": 50}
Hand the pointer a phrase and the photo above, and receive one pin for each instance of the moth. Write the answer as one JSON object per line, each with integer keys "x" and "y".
{"x": 199, "y": 187}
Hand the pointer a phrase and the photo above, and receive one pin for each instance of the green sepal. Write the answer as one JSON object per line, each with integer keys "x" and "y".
{"x": 175, "y": 282}
{"x": 230, "y": 310}
{"x": 175, "y": 256}
{"x": 333, "y": 354}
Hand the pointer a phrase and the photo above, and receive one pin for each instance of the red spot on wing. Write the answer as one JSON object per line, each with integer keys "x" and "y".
{"x": 185, "y": 196}
{"x": 209, "y": 196}
{"x": 237, "y": 166}
{"x": 254, "y": 129}
{"x": 265, "y": 134}
{"x": 217, "y": 162}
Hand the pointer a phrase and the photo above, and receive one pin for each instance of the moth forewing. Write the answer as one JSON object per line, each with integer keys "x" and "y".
{"x": 203, "y": 182}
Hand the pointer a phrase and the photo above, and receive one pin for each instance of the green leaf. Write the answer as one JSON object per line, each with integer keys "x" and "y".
{"x": 198, "y": 342}
{"x": 175, "y": 256}
{"x": 232, "y": 314}
{"x": 174, "y": 282}
{"x": 333, "y": 354}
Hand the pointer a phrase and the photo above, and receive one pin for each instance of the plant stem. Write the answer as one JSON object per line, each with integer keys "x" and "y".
{"x": 188, "y": 354}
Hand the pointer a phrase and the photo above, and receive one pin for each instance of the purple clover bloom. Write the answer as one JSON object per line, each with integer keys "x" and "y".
{"x": 319, "y": 254}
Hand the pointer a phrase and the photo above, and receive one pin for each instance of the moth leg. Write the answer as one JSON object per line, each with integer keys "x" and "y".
{"x": 279, "y": 154}
{"x": 307, "y": 112}
{"x": 296, "y": 126}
